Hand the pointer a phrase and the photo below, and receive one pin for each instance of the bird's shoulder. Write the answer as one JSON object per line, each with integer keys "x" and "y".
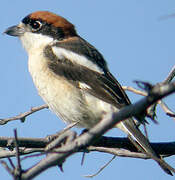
{"x": 80, "y": 62}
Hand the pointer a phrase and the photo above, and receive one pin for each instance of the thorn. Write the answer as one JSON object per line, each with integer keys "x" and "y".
{"x": 144, "y": 85}
{"x": 23, "y": 119}
{"x": 61, "y": 167}
{"x": 83, "y": 158}
{"x": 170, "y": 114}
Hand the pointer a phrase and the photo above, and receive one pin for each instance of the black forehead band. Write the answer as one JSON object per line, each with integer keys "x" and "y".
{"x": 48, "y": 29}
{"x": 28, "y": 20}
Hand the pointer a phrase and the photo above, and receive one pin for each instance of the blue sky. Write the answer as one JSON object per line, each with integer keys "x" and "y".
{"x": 137, "y": 46}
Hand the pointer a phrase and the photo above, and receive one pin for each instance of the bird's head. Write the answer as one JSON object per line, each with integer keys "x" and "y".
{"x": 40, "y": 28}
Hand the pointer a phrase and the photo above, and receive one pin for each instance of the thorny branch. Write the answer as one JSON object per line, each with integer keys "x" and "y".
{"x": 23, "y": 116}
{"x": 76, "y": 144}
{"x": 167, "y": 80}
{"x": 113, "y": 145}
{"x": 18, "y": 169}
{"x": 69, "y": 143}
{"x": 162, "y": 104}
{"x": 170, "y": 76}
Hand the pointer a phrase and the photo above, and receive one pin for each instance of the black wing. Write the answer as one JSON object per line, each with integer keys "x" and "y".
{"x": 102, "y": 85}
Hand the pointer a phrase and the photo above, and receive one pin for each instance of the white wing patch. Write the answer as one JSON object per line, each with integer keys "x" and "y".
{"x": 76, "y": 58}
{"x": 84, "y": 86}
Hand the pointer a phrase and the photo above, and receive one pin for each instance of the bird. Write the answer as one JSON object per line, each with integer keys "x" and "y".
{"x": 72, "y": 76}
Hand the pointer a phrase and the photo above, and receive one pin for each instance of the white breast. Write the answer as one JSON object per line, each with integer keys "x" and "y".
{"x": 68, "y": 102}
{"x": 64, "y": 99}
{"x": 55, "y": 91}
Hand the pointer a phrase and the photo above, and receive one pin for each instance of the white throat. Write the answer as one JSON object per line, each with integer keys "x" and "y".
{"x": 34, "y": 41}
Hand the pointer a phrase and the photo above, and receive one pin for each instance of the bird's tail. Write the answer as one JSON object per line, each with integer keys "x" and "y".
{"x": 142, "y": 144}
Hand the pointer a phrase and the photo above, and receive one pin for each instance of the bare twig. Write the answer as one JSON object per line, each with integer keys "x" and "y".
{"x": 167, "y": 110}
{"x": 34, "y": 155}
{"x": 119, "y": 152}
{"x": 162, "y": 104}
{"x": 89, "y": 137}
{"x": 9, "y": 170}
{"x": 18, "y": 167}
{"x": 23, "y": 151}
{"x": 101, "y": 169}
{"x": 136, "y": 91}
{"x": 66, "y": 137}
{"x": 164, "y": 148}
{"x": 170, "y": 76}
{"x": 171, "y": 115}
{"x": 11, "y": 163}
{"x": 83, "y": 158}
{"x": 82, "y": 142}
{"x": 54, "y": 136}
{"x": 23, "y": 116}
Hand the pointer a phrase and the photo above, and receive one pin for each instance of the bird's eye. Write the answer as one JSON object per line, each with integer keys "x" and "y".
{"x": 36, "y": 25}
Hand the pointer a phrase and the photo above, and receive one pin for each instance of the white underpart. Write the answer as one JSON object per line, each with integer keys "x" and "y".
{"x": 62, "y": 53}
{"x": 64, "y": 99}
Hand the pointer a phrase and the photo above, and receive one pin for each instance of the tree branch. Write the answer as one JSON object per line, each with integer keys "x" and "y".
{"x": 90, "y": 140}
{"x": 87, "y": 138}
{"x": 23, "y": 116}
{"x": 103, "y": 143}
{"x": 170, "y": 76}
